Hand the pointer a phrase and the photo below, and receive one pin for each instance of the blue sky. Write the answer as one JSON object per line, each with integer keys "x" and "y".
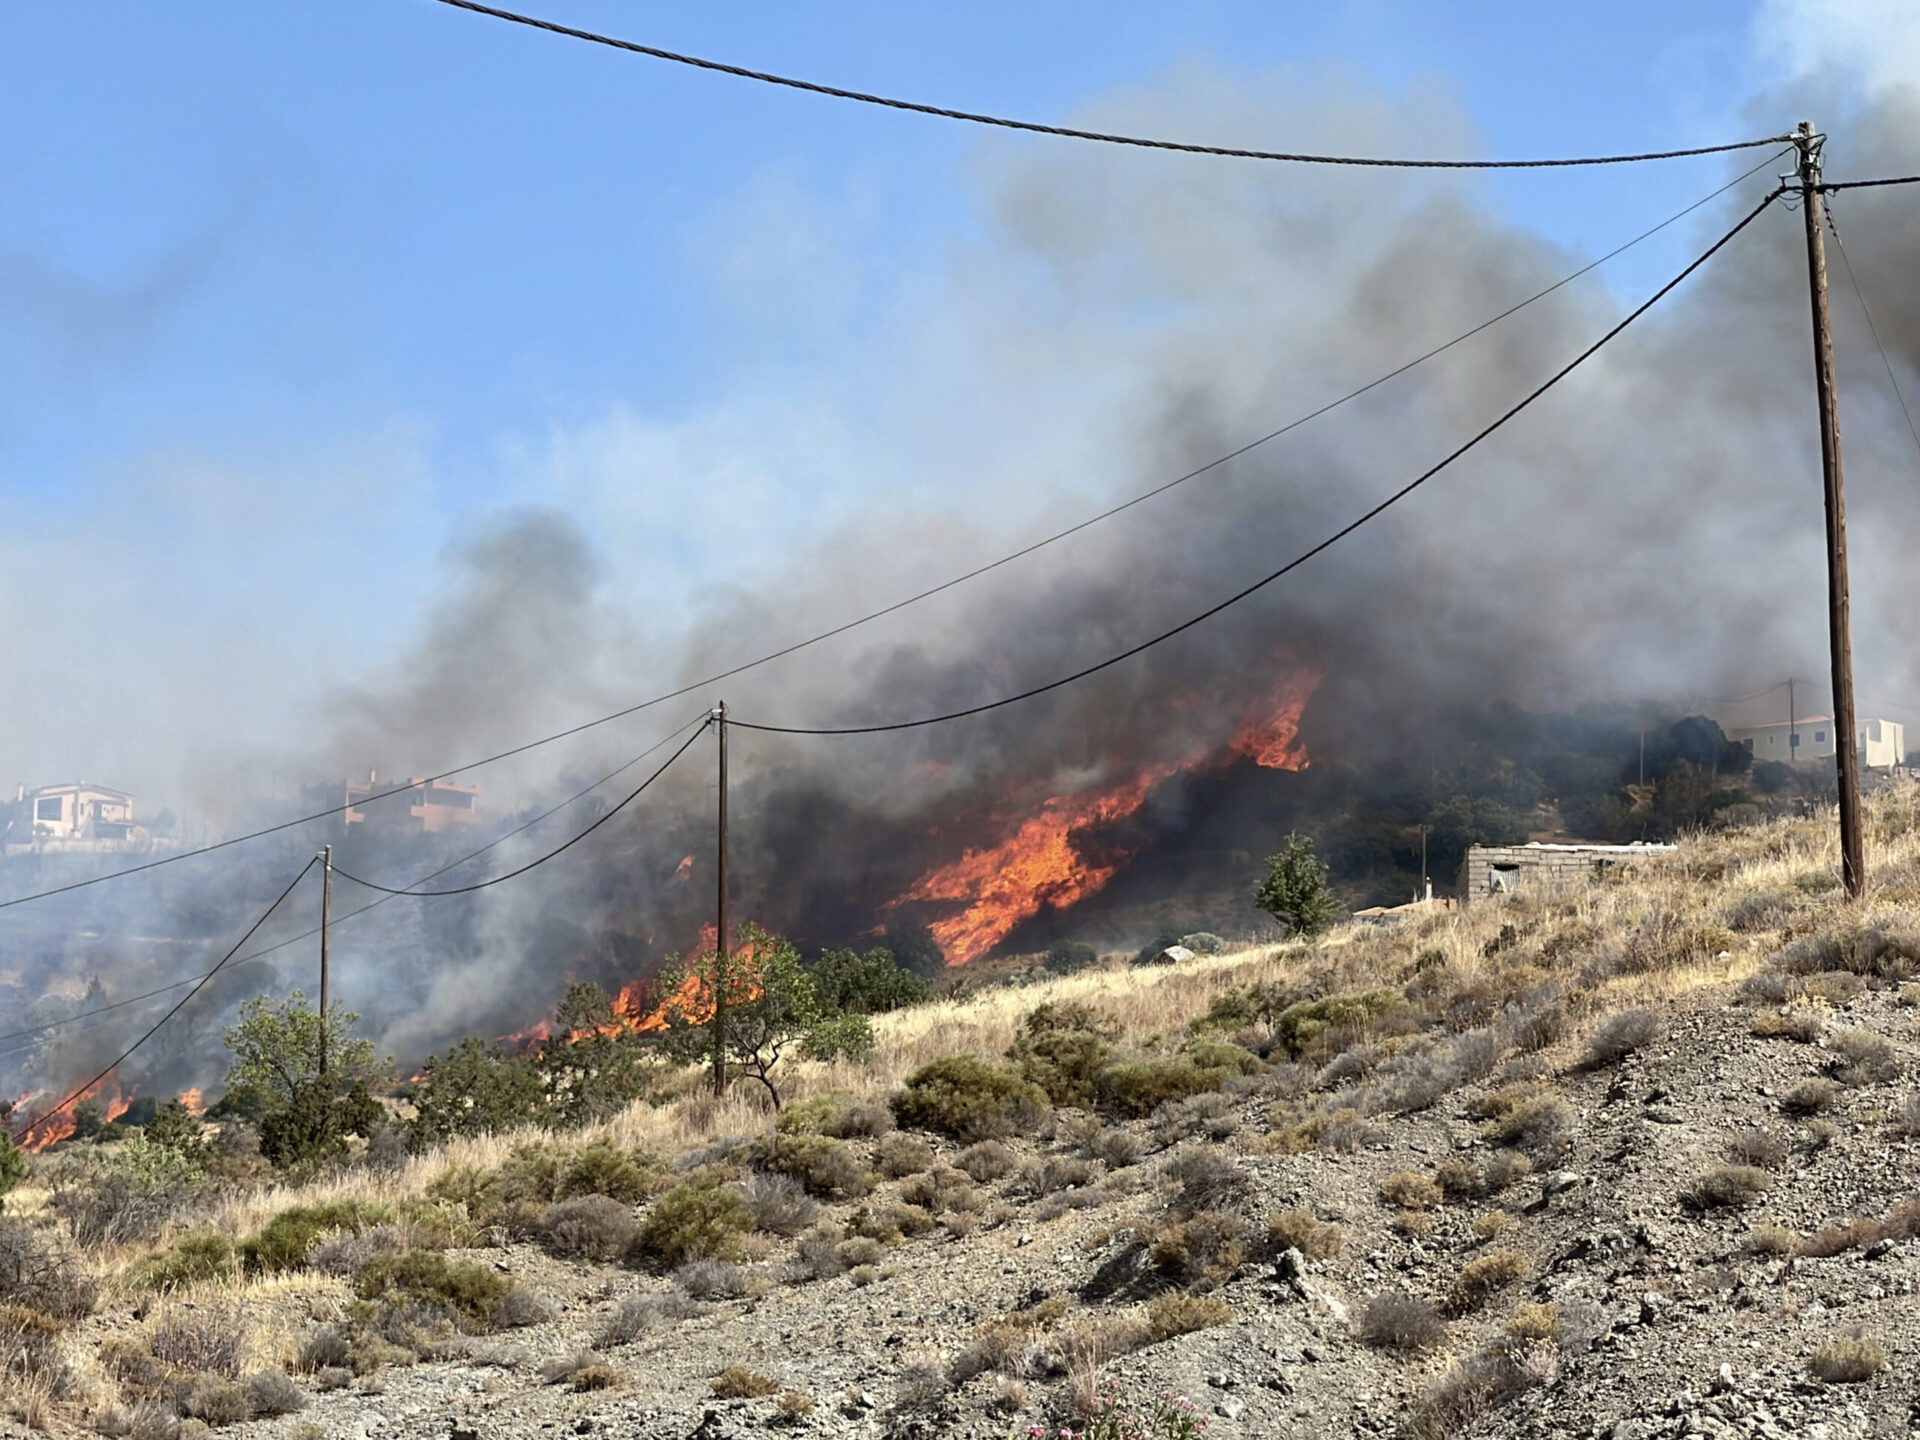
{"x": 295, "y": 297}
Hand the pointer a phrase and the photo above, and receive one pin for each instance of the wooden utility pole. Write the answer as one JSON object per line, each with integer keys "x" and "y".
{"x": 1853, "y": 860}
{"x": 721, "y": 978}
{"x": 326, "y": 919}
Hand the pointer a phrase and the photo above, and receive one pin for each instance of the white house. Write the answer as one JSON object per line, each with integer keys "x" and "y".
{"x": 1882, "y": 743}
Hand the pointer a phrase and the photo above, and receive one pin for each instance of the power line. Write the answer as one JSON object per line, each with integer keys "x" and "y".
{"x": 1298, "y": 560}
{"x": 74, "y": 1095}
{"x": 496, "y": 842}
{"x": 1861, "y": 296}
{"x": 845, "y": 627}
{"x": 1030, "y": 127}
{"x": 560, "y": 849}
{"x": 1832, "y": 185}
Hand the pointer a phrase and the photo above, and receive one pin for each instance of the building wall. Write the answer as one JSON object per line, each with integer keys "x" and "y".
{"x": 1883, "y": 743}
{"x": 1498, "y": 869}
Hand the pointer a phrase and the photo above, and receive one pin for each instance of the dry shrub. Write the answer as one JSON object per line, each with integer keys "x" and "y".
{"x": 40, "y": 1277}
{"x": 603, "y": 1168}
{"x": 1727, "y": 1187}
{"x": 1535, "y": 1324}
{"x": 325, "y": 1347}
{"x": 1346, "y": 1132}
{"x": 1477, "y": 1385}
{"x": 1542, "y": 1125}
{"x": 582, "y": 1369}
{"x": 1211, "y": 1115}
{"x": 1395, "y": 1320}
{"x": 273, "y": 1392}
{"x": 1207, "y": 1179}
{"x": 1768, "y": 987}
{"x": 1300, "y": 1230}
{"x": 1458, "y": 1179}
{"x": 1835, "y": 988}
{"x": 737, "y": 1382}
{"x": 1116, "y": 1147}
{"x": 1487, "y": 1226}
{"x": 986, "y": 1162}
{"x": 595, "y": 1226}
{"x": 1056, "y": 1172}
{"x": 826, "y": 1167}
{"x": 942, "y": 1190}
{"x": 717, "y": 1280}
{"x": 1618, "y": 1036}
{"x": 1769, "y": 1237}
{"x": 777, "y": 1203}
{"x": 522, "y": 1307}
{"x": 211, "y": 1341}
{"x": 969, "y": 1098}
{"x": 1810, "y": 1097}
{"x": 1414, "y": 1224}
{"x": 1847, "y": 1360}
{"x": 1505, "y": 1170}
{"x": 1758, "y": 1146}
{"x": 1407, "y": 1190}
{"x": 1174, "y": 1315}
{"x": 639, "y": 1315}
{"x": 1862, "y": 1058}
{"x": 694, "y": 1221}
{"x": 215, "y": 1400}
{"x": 1202, "y": 1251}
{"x": 898, "y": 1156}
{"x": 794, "y": 1407}
{"x": 1480, "y": 1279}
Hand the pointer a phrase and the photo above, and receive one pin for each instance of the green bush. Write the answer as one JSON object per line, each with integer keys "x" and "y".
{"x": 1066, "y": 1064}
{"x": 1299, "y": 1025}
{"x": 603, "y": 1168}
{"x": 827, "y": 1167}
{"x": 469, "y": 1290}
{"x": 1295, "y": 890}
{"x": 869, "y": 984}
{"x": 969, "y": 1098}
{"x": 13, "y": 1164}
{"x": 1064, "y": 957}
{"x": 286, "y": 1240}
{"x": 1134, "y": 1088}
{"x": 190, "y": 1260}
{"x": 844, "y": 1117}
{"x": 478, "y": 1089}
{"x": 839, "y": 1037}
{"x": 696, "y": 1220}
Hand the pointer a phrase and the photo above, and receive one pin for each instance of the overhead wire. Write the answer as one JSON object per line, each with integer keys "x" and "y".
{"x": 1828, "y": 186}
{"x": 1065, "y": 132}
{"x": 782, "y": 652}
{"x": 1298, "y": 560}
{"x": 308, "y": 934}
{"x": 75, "y": 1094}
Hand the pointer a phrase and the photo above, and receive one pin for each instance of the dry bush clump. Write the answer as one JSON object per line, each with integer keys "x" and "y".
{"x": 1758, "y": 1146}
{"x": 1488, "y": 1225}
{"x": 1535, "y": 1324}
{"x": 718, "y": 1280}
{"x": 639, "y": 1315}
{"x": 1618, "y": 1036}
{"x": 1847, "y": 1360}
{"x": 582, "y": 1369}
{"x": 778, "y": 1203}
{"x": 41, "y": 1277}
{"x": 1542, "y": 1125}
{"x": 273, "y": 1392}
{"x": 987, "y": 1161}
{"x": 1727, "y": 1187}
{"x": 737, "y": 1382}
{"x": 596, "y": 1227}
{"x": 1408, "y": 1190}
{"x": 1862, "y": 1058}
{"x": 793, "y": 1407}
{"x": 1202, "y": 1251}
{"x": 971, "y": 1099}
{"x": 1301, "y": 1230}
{"x": 696, "y": 1220}
{"x": 826, "y": 1167}
{"x": 1769, "y": 1237}
{"x": 1810, "y": 1097}
{"x": 1476, "y": 1386}
{"x": 1395, "y": 1320}
{"x": 898, "y": 1156}
{"x": 1906, "y": 1120}
{"x": 1207, "y": 1179}
{"x": 1039, "y": 1177}
{"x": 1482, "y": 1278}
{"x": 211, "y": 1341}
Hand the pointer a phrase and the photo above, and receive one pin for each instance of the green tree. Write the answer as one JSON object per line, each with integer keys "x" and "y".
{"x": 772, "y": 1008}
{"x": 1295, "y": 889}
{"x": 869, "y": 984}
{"x": 174, "y": 1127}
{"x": 13, "y": 1164}
{"x": 593, "y": 1064}
{"x": 477, "y": 1090}
{"x": 275, "y": 1073}
{"x": 89, "y": 1119}
{"x": 914, "y": 948}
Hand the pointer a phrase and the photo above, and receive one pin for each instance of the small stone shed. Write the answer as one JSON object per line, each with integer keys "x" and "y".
{"x": 1501, "y": 869}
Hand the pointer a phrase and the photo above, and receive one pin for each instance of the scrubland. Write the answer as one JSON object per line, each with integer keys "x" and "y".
{"x": 1630, "y": 1158}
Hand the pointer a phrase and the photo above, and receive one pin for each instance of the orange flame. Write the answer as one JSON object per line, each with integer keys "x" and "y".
{"x": 1273, "y": 740}
{"x": 193, "y": 1101}
{"x": 683, "y": 867}
{"x": 1040, "y": 866}
{"x": 52, "y": 1129}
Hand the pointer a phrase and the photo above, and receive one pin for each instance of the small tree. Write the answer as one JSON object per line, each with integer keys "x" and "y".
{"x": 13, "y": 1165}
{"x": 477, "y": 1090}
{"x": 1295, "y": 889}
{"x": 869, "y": 984}
{"x": 304, "y": 1115}
{"x": 593, "y": 1065}
{"x": 174, "y": 1127}
{"x": 771, "y": 1004}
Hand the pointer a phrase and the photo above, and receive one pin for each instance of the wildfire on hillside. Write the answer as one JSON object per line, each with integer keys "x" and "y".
{"x": 52, "y": 1129}
{"x": 1042, "y": 865}
{"x": 193, "y": 1101}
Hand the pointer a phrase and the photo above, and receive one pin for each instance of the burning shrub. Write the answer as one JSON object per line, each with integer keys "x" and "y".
{"x": 596, "y": 1226}
{"x": 1395, "y": 1320}
{"x": 969, "y": 1098}
{"x": 696, "y": 1220}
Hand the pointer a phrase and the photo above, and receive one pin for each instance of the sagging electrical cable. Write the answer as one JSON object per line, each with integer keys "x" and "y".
{"x": 1298, "y": 560}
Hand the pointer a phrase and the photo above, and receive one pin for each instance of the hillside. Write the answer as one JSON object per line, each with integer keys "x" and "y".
{"x": 1633, "y": 1160}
